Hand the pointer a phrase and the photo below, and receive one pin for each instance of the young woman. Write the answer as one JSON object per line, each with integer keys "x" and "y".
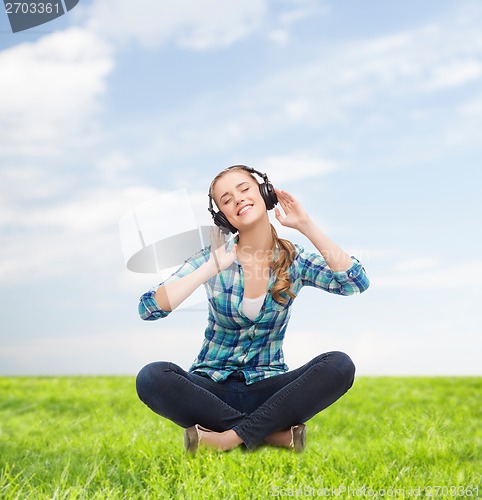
{"x": 239, "y": 390}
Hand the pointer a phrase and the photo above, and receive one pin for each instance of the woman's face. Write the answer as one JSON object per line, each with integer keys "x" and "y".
{"x": 237, "y": 195}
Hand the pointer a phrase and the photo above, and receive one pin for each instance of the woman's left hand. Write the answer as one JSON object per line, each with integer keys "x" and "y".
{"x": 295, "y": 215}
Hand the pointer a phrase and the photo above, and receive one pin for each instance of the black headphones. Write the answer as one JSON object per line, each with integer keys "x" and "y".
{"x": 267, "y": 193}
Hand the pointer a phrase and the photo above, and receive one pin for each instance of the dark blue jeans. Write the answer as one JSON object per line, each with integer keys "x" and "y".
{"x": 253, "y": 411}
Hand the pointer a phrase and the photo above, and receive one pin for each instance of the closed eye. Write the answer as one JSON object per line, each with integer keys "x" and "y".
{"x": 228, "y": 200}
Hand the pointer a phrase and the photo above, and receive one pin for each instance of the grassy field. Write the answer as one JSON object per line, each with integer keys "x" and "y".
{"x": 90, "y": 437}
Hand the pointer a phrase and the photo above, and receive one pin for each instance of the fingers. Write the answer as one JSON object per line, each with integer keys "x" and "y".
{"x": 212, "y": 237}
{"x": 285, "y": 199}
{"x": 278, "y": 216}
{"x": 284, "y": 196}
{"x": 217, "y": 238}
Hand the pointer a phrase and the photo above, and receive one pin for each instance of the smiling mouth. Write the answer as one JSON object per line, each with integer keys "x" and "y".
{"x": 245, "y": 209}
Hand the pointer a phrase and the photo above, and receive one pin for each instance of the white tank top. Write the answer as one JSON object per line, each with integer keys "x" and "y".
{"x": 251, "y": 307}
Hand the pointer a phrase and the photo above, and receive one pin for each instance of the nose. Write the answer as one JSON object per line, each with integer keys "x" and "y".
{"x": 238, "y": 198}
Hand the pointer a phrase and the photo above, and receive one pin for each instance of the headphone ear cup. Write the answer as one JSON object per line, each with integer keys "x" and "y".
{"x": 268, "y": 195}
{"x": 222, "y": 221}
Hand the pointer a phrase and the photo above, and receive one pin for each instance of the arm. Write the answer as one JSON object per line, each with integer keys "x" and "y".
{"x": 160, "y": 301}
{"x": 314, "y": 271}
{"x": 170, "y": 295}
{"x": 335, "y": 257}
{"x": 345, "y": 276}
{"x": 297, "y": 218}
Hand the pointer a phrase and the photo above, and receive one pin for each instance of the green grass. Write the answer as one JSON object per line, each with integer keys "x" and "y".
{"x": 90, "y": 437}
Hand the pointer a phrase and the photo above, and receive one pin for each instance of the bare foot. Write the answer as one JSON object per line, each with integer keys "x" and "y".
{"x": 279, "y": 438}
{"x": 222, "y": 441}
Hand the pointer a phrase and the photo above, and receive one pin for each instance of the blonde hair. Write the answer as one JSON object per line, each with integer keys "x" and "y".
{"x": 283, "y": 258}
{"x": 280, "y": 266}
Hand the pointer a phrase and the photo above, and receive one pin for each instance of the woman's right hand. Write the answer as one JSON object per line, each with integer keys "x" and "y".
{"x": 220, "y": 259}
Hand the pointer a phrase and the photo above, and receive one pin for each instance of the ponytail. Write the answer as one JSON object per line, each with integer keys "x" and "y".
{"x": 280, "y": 266}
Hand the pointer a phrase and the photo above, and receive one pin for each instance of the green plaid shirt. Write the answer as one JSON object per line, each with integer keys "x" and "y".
{"x": 233, "y": 342}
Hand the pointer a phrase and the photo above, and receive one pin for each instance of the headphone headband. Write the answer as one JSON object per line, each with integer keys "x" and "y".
{"x": 251, "y": 170}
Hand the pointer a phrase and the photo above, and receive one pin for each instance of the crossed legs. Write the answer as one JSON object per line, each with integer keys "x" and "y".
{"x": 233, "y": 413}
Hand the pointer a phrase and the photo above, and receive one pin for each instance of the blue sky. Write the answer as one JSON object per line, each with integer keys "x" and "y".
{"x": 370, "y": 113}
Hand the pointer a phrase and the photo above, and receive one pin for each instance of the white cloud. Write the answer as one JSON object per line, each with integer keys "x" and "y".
{"x": 465, "y": 127}
{"x": 429, "y": 275}
{"x": 301, "y": 9}
{"x": 430, "y": 349}
{"x": 425, "y": 59}
{"x": 26, "y": 182}
{"x": 44, "y": 255}
{"x": 92, "y": 210}
{"x": 472, "y": 108}
{"x": 191, "y": 24}
{"x": 49, "y": 91}
{"x": 416, "y": 265}
{"x": 68, "y": 236}
{"x": 279, "y": 36}
{"x": 295, "y": 166}
{"x": 454, "y": 74}
{"x": 210, "y": 24}
{"x": 375, "y": 351}
{"x": 114, "y": 166}
{"x": 368, "y": 87}
{"x": 297, "y": 10}
{"x": 124, "y": 351}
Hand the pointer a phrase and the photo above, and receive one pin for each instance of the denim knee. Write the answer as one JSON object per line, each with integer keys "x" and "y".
{"x": 150, "y": 377}
{"x": 345, "y": 366}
